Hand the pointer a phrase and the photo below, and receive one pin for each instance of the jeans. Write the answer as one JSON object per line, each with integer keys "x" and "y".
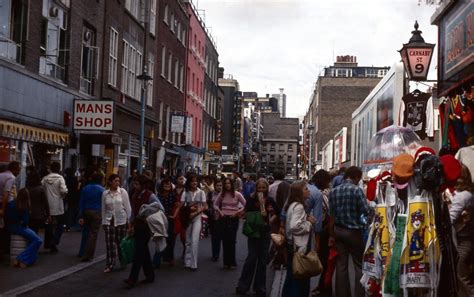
{"x": 348, "y": 241}
{"x": 30, "y": 254}
{"x": 229, "y": 239}
{"x": 466, "y": 259}
{"x": 216, "y": 237}
{"x": 85, "y": 235}
{"x": 193, "y": 235}
{"x": 92, "y": 221}
{"x": 141, "y": 257}
{"x": 255, "y": 266}
{"x": 53, "y": 232}
{"x": 294, "y": 287}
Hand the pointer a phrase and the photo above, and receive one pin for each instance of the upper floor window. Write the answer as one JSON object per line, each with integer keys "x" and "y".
{"x": 54, "y": 43}
{"x": 343, "y": 72}
{"x": 135, "y": 8}
{"x": 152, "y": 24}
{"x": 165, "y": 14}
{"x": 13, "y": 29}
{"x": 290, "y": 147}
{"x": 150, "y": 72}
{"x": 131, "y": 65}
{"x": 370, "y": 72}
{"x": 90, "y": 60}
{"x": 172, "y": 23}
{"x": 163, "y": 60}
{"x": 113, "y": 55}
{"x": 272, "y": 147}
{"x": 382, "y": 72}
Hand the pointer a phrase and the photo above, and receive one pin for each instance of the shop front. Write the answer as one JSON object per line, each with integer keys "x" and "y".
{"x": 455, "y": 20}
{"x": 191, "y": 159}
{"x": 31, "y": 146}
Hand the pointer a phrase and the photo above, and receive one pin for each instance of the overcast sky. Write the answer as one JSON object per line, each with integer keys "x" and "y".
{"x": 272, "y": 44}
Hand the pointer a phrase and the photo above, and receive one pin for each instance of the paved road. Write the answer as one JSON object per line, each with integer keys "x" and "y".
{"x": 210, "y": 280}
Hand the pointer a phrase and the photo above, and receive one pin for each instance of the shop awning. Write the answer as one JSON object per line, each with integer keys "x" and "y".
{"x": 32, "y": 134}
{"x": 172, "y": 152}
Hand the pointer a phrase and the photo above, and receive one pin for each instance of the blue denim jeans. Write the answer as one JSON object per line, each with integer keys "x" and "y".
{"x": 30, "y": 254}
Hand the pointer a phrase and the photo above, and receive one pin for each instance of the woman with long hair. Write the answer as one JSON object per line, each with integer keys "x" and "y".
{"x": 168, "y": 199}
{"x": 254, "y": 269}
{"x": 194, "y": 199}
{"x": 298, "y": 227}
{"x": 141, "y": 233}
{"x": 17, "y": 218}
{"x": 229, "y": 209}
{"x": 462, "y": 217}
{"x": 116, "y": 212}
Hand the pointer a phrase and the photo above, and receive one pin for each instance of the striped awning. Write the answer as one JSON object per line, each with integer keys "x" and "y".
{"x": 32, "y": 134}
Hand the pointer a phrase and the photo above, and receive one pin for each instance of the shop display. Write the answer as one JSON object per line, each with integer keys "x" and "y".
{"x": 416, "y": 113}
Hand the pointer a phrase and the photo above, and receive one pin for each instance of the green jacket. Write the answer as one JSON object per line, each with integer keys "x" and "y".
{"x": 253, "y": 225}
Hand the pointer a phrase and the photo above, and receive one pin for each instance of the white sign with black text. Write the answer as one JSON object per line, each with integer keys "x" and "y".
{"x": 97, "y": 115}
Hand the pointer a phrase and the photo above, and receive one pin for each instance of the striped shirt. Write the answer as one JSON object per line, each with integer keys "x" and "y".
{"x": 229, "y": 204}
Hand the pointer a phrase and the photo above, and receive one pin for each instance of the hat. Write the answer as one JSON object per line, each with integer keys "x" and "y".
{"x": 423, "y": 151}
{"x": 451, "y": 168}
{"x": 402, "y": 166}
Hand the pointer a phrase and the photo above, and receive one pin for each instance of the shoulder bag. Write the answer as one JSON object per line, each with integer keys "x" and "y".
{"x": 307, "y": 264}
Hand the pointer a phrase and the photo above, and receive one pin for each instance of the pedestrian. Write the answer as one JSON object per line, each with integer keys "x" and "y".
{"x": 237, "y": 181}
{"x": 90, "y": 205}
{"x": 7, "y": 194}
{"x": 279, "y": 189}
{"x": 214, "y": 224}
{"x": 207, "y": 184}
{"x": 115, "y": 213}
{"x": 248, "y": 186}
{"x": 169, "y": 201}
{"x": 195, "y": 200}
{"x": 227, "y": 205}
{"x": 141, "y": 233}
{"x": 339, "y": 178}
{"x": 462, "y": 217}
{"x": 72, "y": 198}
{"x": 347, "y": 203}
{"x": 55, "y": 189}
{"x": 298, "y": 229}
{"x": 254, "y": 270}
{"x": 17, "y": 215}
{"x": 39, "y": 203}
{"x": 322, "y": 180}
{"x": 179, "y": 229}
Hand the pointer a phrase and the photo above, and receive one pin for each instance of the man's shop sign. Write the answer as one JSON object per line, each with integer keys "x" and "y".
{"x": 97, "y": 115}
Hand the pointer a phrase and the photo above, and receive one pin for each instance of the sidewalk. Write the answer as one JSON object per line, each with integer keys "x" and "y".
{"x": 49, "y": 265}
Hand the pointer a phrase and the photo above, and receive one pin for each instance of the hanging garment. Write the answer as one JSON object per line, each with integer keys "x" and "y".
{"x": 417, "y": 113}
{"x": 456, "y": 118}
{"x": 447, "y": 128}
{"x": 392, "y": 278}
{"x": 416, "y": 258}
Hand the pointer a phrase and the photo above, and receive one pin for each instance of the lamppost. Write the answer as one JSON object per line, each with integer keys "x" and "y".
{"x": 416, "y": 56}
{"x": 144, "y": 77}
{"x": 310, "y": 157}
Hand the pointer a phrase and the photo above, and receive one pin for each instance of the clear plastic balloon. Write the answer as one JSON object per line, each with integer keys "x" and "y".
{"x": 389, "y": 143}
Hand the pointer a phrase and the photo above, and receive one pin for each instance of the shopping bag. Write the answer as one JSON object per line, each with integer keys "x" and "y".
{"x": 127, "y": 249}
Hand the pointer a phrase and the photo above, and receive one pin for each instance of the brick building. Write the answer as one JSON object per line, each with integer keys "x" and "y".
{"x": 279, "y": 149}
{"x": 336, "y": 95}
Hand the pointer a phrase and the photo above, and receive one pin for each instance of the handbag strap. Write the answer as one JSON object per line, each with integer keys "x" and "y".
{"x": 308, "y": 245}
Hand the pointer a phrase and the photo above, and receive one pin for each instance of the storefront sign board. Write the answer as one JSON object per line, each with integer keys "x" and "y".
{"x": 96, "y": 115}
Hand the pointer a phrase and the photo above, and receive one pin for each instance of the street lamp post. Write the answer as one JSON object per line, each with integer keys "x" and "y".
{"x": 144, "y": 77}
{"x": 310, "y": 158}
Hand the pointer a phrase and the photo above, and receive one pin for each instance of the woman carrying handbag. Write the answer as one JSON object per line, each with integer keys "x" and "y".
{"x": 298, "y": 228}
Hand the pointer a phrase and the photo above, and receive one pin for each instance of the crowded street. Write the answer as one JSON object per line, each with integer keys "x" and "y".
{"x": 268, "y": 148}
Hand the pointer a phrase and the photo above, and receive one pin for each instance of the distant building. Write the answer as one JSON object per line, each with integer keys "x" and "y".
{"x": 281, "y": 97}
{"x": 279, "y": 144}
{"x": 231, "y": 115}
{"x": 336, "y": 95}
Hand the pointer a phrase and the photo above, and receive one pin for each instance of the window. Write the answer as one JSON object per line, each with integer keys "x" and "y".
{"x": 288, "y": 159}
{"x": 150, "y": 72}
{"x": 54, "y": 46}
{"x": 176, "y": 73}
{"x": 272, "y": 147}
{"x": 135, "y": 8}
{"x": 183, "y": 36}
{"x": 90, "y": 60}
{"x": 370, "y": 72}
{"x": 178, "y": 31}
{"x": 382, "y": 72}
{"x": 131, "y": 66}
{"x": 272, "y": 158}
{"x": 181, "y": 78}
{"x": 13, "y": 29}
{"x": 172, "y": 23}
{"x": 170, "y": 66}
{"x": 344, "y": 72}
{"x": 290, "y": 147}
{"x": 163, "y": 60}
{"x": 113, "y": 54}
{"x": 165, "y": 15}
{"x": 168, "y": 121}
{"x": 160, "y": 117}
{"x": 264, "y": 146}
{"x": 281, "y": 147}
{"x": 152, "y": 16}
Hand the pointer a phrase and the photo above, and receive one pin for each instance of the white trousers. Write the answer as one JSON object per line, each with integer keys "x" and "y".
{"x": 193, "y": 235}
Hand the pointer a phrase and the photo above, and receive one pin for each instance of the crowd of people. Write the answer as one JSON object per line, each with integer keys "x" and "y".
{"x": 328, "y": 213}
